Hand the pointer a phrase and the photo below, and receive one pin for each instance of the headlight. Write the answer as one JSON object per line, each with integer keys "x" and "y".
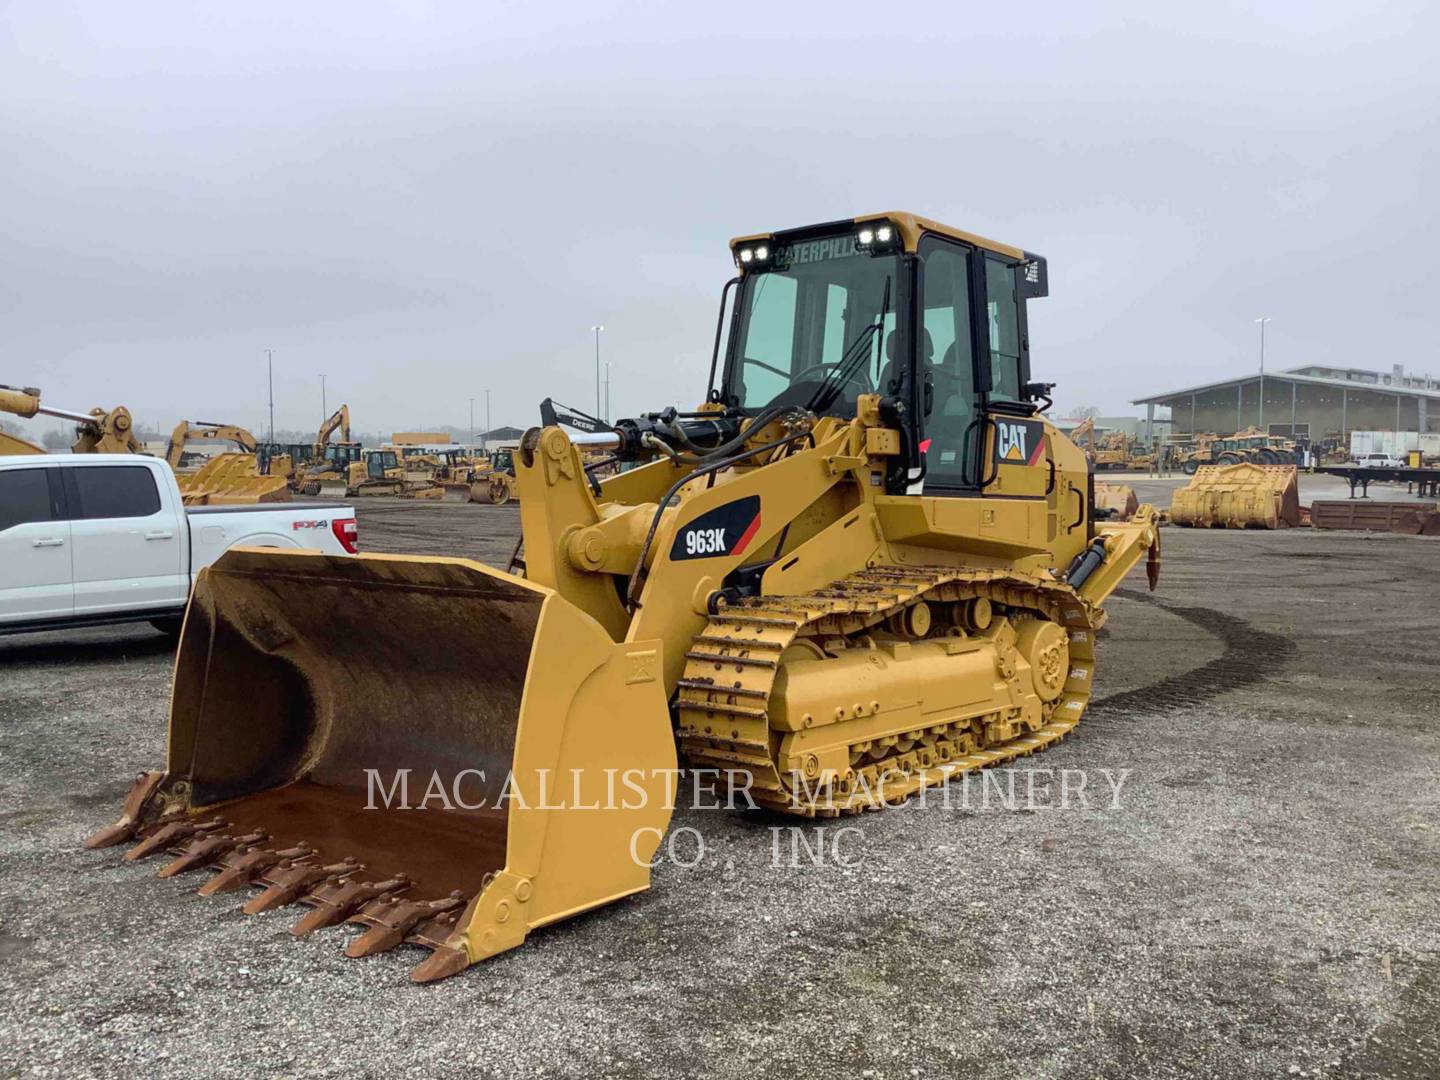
{"x": 751, "y": 255}
{"x": 876, "y": 239}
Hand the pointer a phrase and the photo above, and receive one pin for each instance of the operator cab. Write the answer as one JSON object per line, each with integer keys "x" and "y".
{"x": 342, "y": 454}
{"x": 931, "y": 318}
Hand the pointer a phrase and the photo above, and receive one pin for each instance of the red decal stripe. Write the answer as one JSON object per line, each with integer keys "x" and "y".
{"x": 1039, "y": 448}
{"x": 746, "y": 537}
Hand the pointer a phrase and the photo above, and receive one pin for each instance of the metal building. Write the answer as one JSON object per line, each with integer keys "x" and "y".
{"x": 1311, "y": 403}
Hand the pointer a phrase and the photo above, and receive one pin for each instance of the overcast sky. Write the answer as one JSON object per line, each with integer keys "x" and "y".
{"x": 424, "y": 201}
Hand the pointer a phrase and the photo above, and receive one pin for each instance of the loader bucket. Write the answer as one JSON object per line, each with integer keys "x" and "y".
{"x": 423, "y": 746}
{"x": 1244, "y": 496}
{"x": 1118, "y": 501}
{"x": 229, "y": 480}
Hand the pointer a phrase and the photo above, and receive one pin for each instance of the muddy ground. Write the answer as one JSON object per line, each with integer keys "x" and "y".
{"x": 1265, "y": 898}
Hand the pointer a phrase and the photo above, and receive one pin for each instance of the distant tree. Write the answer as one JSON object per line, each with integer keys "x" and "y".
{"x": 57, "y": 439}
{"x": 1085, "y": 412}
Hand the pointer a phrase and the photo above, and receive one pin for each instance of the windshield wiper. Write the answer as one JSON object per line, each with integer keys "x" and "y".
{"x": 830, "y": 386}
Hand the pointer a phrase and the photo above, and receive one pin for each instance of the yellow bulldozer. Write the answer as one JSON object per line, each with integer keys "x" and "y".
{"x": 327, "y": 465}
{"x": 226, "y": 479}
{"x": 100, "y": 431}
{"x": 373, "y": 472}
{"x": 866, "y": 564}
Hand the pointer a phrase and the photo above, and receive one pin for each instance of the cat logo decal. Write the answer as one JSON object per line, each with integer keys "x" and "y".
{"x": 1019, "y": 442}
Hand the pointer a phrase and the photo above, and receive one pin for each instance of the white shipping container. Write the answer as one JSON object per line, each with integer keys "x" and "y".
{"x": 1394, "y": 443}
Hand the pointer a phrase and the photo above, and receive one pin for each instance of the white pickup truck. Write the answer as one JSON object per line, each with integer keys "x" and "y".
{"x": 102, "y": 538}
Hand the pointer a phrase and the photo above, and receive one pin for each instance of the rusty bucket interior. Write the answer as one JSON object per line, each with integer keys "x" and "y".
{"x": 308, "y": 699}
{"x": 362, "y": 726}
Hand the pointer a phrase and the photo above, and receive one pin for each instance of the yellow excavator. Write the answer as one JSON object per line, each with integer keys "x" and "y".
{"x": 226, "y": 479}
{"x": 99, "y": 431}
{"x": 330, "y": 461}
{"x": 866, "y": 564}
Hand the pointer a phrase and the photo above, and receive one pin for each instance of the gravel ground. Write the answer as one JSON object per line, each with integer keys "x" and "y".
{"x": 1263, "y": 900}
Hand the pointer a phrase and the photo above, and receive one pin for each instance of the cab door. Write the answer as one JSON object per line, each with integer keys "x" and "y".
{"x": 35, "y": 551}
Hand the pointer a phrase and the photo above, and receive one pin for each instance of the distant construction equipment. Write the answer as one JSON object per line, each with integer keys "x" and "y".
{"x": 324, "y": 462}
{"x": 1249, "y": 446}
{"x": 230, "y": 478}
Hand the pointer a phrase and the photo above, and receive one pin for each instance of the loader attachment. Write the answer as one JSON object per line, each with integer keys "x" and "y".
{"x": 230, "y": 480}
{"x": 424, "y": 746}
{"x": 1244, "y": 496}
{"x": 1116, "y": 501}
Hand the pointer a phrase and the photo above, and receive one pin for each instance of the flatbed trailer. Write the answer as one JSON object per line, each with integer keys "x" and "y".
{"x": 1426, "y": 481}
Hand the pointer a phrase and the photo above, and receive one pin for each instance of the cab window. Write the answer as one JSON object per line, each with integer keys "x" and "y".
{"x": 817, "y": 322}
{"x": 947, "y": 360}
{"x": 1003, "y": 311}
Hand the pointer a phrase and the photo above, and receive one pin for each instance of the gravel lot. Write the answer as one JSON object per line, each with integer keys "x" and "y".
{"x": 1265, "y": 899}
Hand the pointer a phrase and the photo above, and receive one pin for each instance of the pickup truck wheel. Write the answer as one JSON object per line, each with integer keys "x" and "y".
{"x": 170, "y": 627}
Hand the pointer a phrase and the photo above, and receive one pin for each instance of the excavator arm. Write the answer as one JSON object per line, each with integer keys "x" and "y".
{"x": 339, "y": 421}
{"x": 188, "y": 431}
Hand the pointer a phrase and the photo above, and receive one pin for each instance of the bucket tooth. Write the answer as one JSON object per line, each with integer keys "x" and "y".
{"x": 336, "y": 901}
{"x": 434, "y": 933}
{"x": 441, "y": 964}
{"x": 128, "y": 824}
{"x": 390, "y": 920}
{"x": 244, "y": 865}
{"x": 171, "y": 835}
{"x": 204, "y": 850}
{"x": 286, "y": 884}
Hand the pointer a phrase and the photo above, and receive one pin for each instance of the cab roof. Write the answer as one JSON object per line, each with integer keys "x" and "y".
{"x": 911, "y": 228}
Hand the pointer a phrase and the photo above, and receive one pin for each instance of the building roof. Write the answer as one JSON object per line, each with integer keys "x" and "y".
{"x": 1291, "y": 376}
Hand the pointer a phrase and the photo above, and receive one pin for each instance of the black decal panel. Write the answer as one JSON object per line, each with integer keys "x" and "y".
{"x": 726, "y": 530}
{"x": 1019, "y": 442}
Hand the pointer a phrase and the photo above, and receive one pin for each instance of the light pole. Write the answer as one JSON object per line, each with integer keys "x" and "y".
{"x": 270, "y": 371}
{"x": 485, "y": 439}
{"x": 607, "y": 391}
{"x": 324, "y": 410}
{"x": 472, "y": 428}
{"x": 597, "y": 330}
{"x": 1262, "y": 320}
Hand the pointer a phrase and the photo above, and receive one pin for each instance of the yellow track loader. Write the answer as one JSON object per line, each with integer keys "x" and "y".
{"x": 99, "y": 431}
{"x": 865, "y": 565}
